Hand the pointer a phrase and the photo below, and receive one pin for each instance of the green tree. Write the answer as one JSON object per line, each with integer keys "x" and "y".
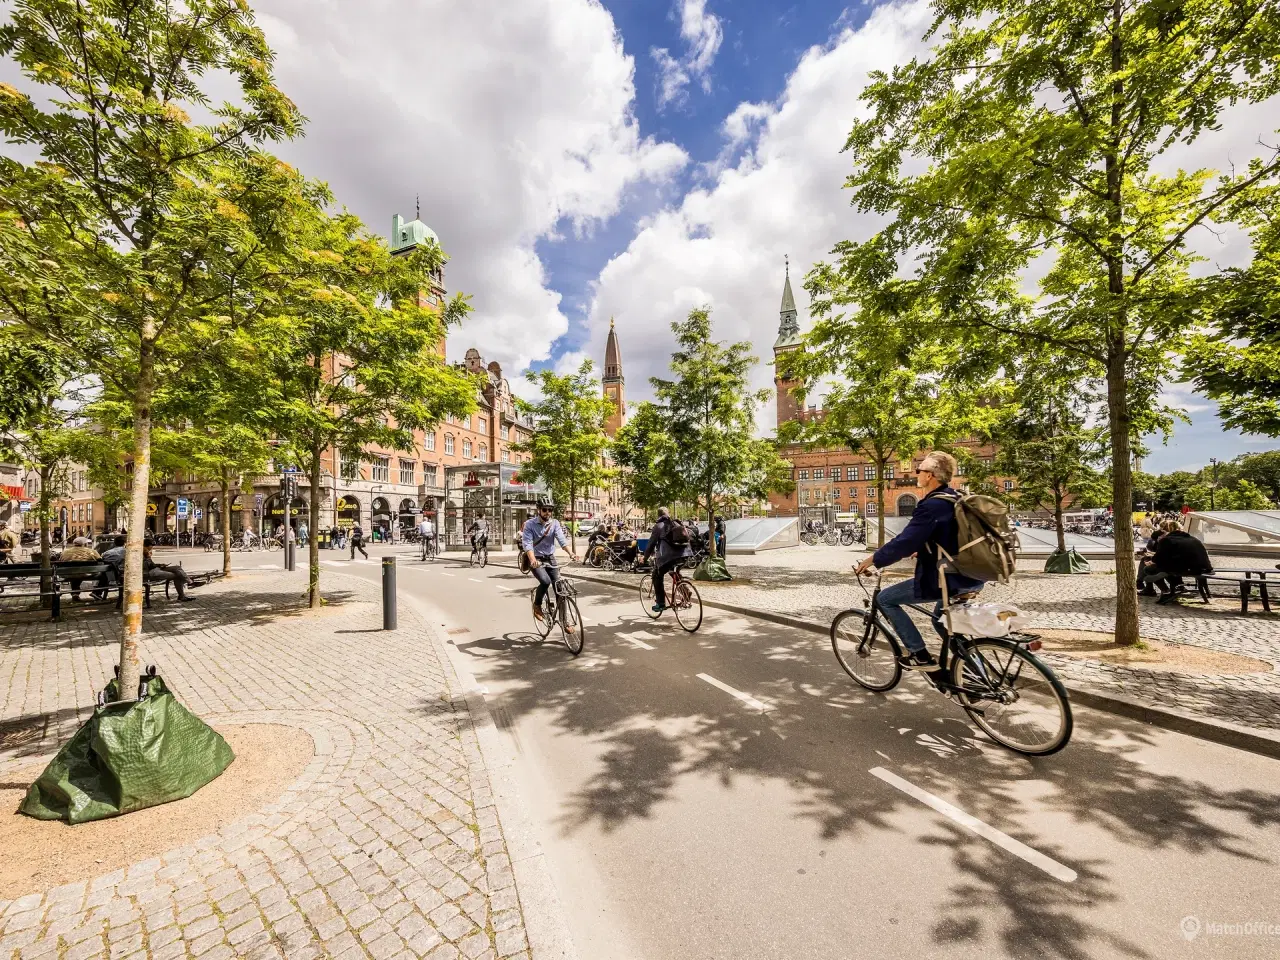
{"x": 642, "y": 452}
{"x": 884, "y": 400}
{"x": 147, "y": 208}
{"x": 708, "y": 412}
{"x": 1031, "y": 143}
{"x": 1045, "y": 437}
{"x": 568, "y": 446}
{"x": 350, "y": 358}
{"x": 1260, "y": 469}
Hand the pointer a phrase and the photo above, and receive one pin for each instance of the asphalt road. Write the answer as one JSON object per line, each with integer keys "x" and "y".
{"x": 732, "y": 794}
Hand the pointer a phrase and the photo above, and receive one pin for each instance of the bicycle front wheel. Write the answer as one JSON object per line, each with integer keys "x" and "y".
{"x": 865, "y": 651}
{"x": 647, "y": 598}
{"x": 571, "y": 629}
{"x": 484, "y": 557}
{"x": 1012, "y": 696}
{"x": 688, "y": 606}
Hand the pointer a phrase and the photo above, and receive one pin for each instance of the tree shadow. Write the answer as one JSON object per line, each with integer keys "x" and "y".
{"x": 821, "y": 735}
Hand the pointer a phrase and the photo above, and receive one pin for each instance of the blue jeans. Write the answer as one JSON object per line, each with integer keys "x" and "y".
{"x": 546, "y": 573}
{"x": 891, "y": 599}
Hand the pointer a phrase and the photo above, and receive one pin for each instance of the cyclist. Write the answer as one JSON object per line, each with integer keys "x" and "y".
{"x": 932, "y": 525}
{"x": 479, "y": 531}
{"x": 538, "y": 540}
{"x": 670, "y": 538}
{"x": 426, "y": 536}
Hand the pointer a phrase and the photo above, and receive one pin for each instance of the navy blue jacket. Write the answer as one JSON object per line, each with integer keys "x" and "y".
{"x": 932, "y": 525}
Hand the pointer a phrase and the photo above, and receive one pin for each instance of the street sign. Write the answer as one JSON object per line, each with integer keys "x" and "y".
{"x": 24, "y": 506}
{"x": 290, "y": 470}
{"x": 184, "y": 508}
{"x": 199, "y": 514}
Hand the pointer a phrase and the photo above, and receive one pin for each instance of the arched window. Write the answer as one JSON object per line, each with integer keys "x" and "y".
{"x": 448, "y": 443}
{"x": 484, "y": 452}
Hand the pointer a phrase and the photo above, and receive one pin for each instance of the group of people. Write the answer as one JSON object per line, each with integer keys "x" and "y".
{"x": 1170, "y": 553}
{"x": 81, "y": 550}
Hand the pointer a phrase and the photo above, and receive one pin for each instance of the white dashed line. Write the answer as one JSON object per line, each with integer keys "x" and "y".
{"x": 972, "y": 823}
{"x": 268, "y": 566}
{"x": 443, "y": 574}
{"x": 475, "y": 579}
{"x": 744, "y": 697}
{"x": 639, "y": 643}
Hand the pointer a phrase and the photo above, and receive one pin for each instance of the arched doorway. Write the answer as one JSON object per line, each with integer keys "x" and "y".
{"x": 348, "y": 511}
{"x": 381, "y": 518}
{"x": 274, "y": 508}
{"x": 213, "y": 516}
{"x": 237, "y": 514}
{"x": 906, "y": 505}
{"x": 408, "y": 515}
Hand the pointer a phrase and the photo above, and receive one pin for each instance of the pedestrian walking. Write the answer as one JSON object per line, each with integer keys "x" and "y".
{"x": 357, "y": 542}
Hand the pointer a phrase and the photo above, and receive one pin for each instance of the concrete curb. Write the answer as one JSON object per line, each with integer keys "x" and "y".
{"x": 1262, "y": 742}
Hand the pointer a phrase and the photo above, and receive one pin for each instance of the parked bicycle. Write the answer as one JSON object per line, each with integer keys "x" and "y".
{"x": 1010, "y": 693}
{"x": 560, "y": 607}
{"x": 682, "y": 597}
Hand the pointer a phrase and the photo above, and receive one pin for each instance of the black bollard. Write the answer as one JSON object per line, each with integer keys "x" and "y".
{"x": 388, "y": 593}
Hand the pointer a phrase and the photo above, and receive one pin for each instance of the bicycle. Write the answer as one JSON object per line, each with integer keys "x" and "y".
{"x": 682, "y": 597}
{"x": 832, "y": 537}
{"x": 427, "y": 551}
{"x": 560, "y": 606}
{"x": 985, "y": 675}
{"x": 480, "y": 553}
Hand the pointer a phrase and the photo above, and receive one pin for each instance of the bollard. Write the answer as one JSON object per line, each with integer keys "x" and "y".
{"x": 290, "y": 561}
{"x": 388, "y": 593}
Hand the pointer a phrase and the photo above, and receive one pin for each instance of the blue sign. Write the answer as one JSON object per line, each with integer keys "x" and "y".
{"x": 288, "y": 470}
{"x": 184, "y": 508}
{"x": 199, "y": 514}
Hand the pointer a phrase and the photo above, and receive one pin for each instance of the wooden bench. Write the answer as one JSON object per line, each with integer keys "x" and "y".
{"x": 29, "y": 578}
{"x": 1246, "y": 581}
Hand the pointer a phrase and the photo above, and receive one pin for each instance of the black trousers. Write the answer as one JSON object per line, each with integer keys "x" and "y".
{"x": 659, "y": 574}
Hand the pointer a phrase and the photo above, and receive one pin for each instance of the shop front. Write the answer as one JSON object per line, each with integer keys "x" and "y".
{"x": 494, "y": 491}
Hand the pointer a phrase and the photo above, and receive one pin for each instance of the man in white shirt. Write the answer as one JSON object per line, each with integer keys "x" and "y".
{"x": 426, "y": 536}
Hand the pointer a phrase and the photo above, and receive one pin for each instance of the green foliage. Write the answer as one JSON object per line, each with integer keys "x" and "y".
{"x": 643, "y": 453}
{"x": 707, "y": 413}
{"x": 1029, "y": 145}
{"x": 567, "y": 449}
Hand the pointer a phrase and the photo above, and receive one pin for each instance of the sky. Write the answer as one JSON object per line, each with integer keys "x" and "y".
{"x": 582, "y": 160}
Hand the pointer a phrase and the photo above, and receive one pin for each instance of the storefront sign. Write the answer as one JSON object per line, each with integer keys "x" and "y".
{"x": 472, "y": 480}
{"x": 151, "y": 509}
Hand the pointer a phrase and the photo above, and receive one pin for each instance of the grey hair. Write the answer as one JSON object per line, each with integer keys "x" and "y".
{"x": 664, "y": 512}
{"x": 941, "y": 465}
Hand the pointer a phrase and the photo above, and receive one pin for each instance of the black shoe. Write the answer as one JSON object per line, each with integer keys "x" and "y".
{"x": 1148, "y": 592}
{"x": 1166, "y": 599}
{"x": 919, "y": 661}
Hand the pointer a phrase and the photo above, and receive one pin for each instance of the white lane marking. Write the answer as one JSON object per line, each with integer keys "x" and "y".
{"x": 475, "y": 579}
{"x": 443, "y": 574}
{"x": 639, "y": 643}
{"x": 744, "y": 697}
{"x": 268, "y": 566}
{"x": 1019, "y": 849}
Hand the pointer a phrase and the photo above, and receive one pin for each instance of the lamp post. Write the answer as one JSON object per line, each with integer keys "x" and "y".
{"x": 1213, "y": 484}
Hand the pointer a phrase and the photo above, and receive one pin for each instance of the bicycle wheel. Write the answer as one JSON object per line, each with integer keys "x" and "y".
{"x": 475, "y": 558}
{"x": 647, "y": 599}
{"x": 865, "y": 651}
{"x": 544, "y": 625}
{"x": 484, "y": 557}
{"x": 688, "y": 606}
{"x": 832, "y": 538}
{"x": 1012, "y": 696}
{"x": 571, "y": 630}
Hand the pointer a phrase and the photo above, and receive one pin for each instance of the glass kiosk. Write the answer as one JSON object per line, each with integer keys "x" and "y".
{"x": 494, "y": 491}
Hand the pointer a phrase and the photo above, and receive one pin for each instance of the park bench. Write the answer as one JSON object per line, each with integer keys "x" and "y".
{"x": 24, "y": 581}
{"x": 1246, "y": 581}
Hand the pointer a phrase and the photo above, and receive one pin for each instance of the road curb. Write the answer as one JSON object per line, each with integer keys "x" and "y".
{"x": 1221, "y": 732}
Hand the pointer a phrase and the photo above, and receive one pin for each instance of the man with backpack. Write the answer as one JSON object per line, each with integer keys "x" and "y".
{"x": 671, "y": 540}
{"x": 932, "y": 536}
{"x": 357, "y": 542}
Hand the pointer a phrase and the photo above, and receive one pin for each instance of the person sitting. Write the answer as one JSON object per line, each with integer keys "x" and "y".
{"x": 159, "y": 573}
{"x": 1178, "y": 555}
{"x": 115, "y": 555}
{"x": 80, "y": 551}
{"x": 1146, "y": 562}
{"x": 9, "y": 543}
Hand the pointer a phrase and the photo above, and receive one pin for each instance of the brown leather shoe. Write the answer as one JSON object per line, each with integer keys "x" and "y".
{"x": 537, "y": 613}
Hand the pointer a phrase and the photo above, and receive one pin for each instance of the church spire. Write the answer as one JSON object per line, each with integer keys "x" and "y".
{"x": 612, "y": 355}
{"x": 615, "y": 387}
{"x": 788, "y": 317}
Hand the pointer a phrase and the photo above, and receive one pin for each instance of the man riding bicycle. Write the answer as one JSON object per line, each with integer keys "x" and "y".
{"x": 933, "y": 525}
{"x": 479, "y": 531}
{"x": 539, "y": 539}
{"x": 426, "y": 536}
{"x": 671, "y": 540}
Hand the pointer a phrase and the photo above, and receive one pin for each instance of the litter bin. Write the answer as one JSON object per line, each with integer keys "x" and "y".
{"x": 323, "y": 540}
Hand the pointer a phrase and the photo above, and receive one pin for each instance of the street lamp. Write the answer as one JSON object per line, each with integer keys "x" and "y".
{"x": 1213, "y": 485}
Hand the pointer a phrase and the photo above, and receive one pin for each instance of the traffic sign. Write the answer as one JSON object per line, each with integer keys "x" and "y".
{"x": 184, "y": 507}
{"x": 291, "y": 470}
{"x": 199, "y": 514}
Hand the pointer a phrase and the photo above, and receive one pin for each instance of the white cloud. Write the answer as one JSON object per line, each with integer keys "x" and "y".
{"x": 508, "y": 118}
{"x": 702, "y": 35}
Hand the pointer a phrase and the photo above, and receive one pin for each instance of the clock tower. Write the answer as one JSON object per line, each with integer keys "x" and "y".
{"x": 614, "y": 384}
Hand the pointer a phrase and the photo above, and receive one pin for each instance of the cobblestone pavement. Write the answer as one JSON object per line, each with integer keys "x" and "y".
{"x": 816, "y": 583}
{"x": 388, "y": 846}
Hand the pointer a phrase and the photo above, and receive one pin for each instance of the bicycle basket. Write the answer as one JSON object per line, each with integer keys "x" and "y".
{"x": 987, "y": 619}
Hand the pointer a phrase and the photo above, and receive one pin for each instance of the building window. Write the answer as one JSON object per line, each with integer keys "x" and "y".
{"x": 466, "y": 422}
{"x": 506, "y": 432}
{"x": 888, "y": 471}
{"x": 483, "y": 424}
{"x": 407, "y": 470}
{"x": 429, "y": 474}
{"x": 804, "y": 496}
{"x": 466, "y": 449}
{"x": 484, "y": 453}
{"x": 835, "y": 474}
{"x": 853, "y": 493}
{"x": 448, "y": 444}
{"x": 835, "y": 493}
{"x": 381, "y": 468}
{"x": 871, "y": 492}
{"x": 804, "y": 474}
{"x": 1008, "y": 486}
{"x": 350, "y": 467}
{"x": 506, "y": 456}
{"x": 959, "y": 468}
{"x": 818, "y": 473}
{"x": 871, "y": 509}
{"x": 430, "y": 440}
{"x": 868, "y": 472}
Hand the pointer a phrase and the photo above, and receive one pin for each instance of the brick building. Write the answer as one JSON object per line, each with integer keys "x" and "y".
{"x": 836, "y": 479}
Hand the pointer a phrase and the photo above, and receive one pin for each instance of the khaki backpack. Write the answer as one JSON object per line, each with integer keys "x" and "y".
{"x": 988, "y": 543}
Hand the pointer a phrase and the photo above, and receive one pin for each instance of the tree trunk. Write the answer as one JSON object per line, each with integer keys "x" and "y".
{"x": 224, "y": 513}
{"x": 131, "y": 628}
{"x": 46, "y": 541}
{"x": 1122, "y": 500}
{"x": 313, "y": 535}
{"x": 1057, "y": 519}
